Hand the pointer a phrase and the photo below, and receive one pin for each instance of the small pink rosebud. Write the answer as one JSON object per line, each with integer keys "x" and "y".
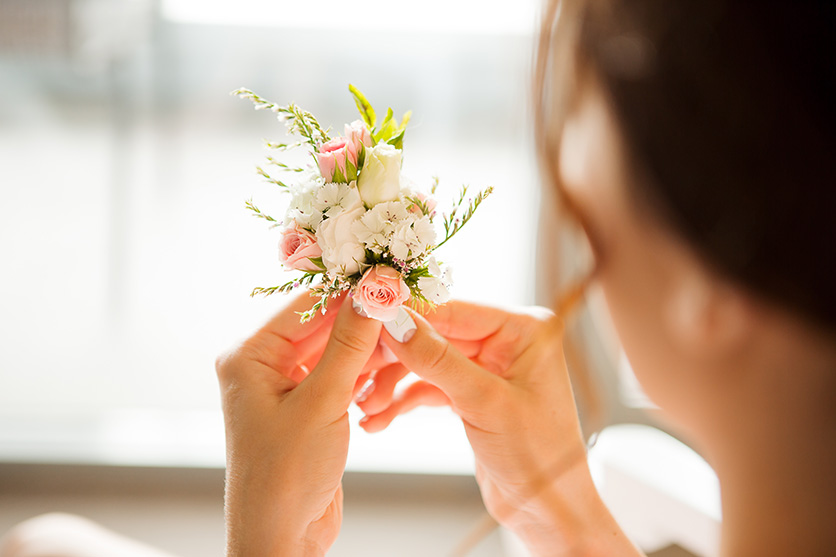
{"x": 331, "y": 156}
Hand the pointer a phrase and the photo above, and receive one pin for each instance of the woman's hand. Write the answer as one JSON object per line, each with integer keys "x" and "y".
{"x": 287, "y": 428}
{"x": 504, "y": 374}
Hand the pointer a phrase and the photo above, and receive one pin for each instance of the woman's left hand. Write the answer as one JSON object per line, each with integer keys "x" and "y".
{"x": 287, "y": 429}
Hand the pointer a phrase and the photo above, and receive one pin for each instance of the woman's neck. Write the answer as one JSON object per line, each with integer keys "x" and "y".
{"x": 779, "y": 505}
{"x": 776, "y": 457}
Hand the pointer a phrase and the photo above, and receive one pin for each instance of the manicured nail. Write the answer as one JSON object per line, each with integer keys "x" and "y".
{"x": 402, "y": 328}
{"x": 363, "y": 420}
{"x": 367, "y": 389}
{"x": 358, "y": 308}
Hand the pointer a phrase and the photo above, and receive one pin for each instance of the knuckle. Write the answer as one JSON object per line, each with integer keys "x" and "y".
{"x": 226, "y": 364}
{"x": 438, "y": 358}
{"x": 222, "y": 365}
{"x": 349, "y": 341}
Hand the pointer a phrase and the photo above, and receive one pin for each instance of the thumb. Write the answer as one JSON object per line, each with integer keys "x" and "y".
{"x": 352, "y": 342}
{"x": 433, "y": 358}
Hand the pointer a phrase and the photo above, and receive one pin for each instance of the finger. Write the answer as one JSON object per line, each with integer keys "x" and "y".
{"x": 353, "y": 339}
{"x": 360, "y": 384}
{"x": 417, "y": 394}
{"x": 274, "y": 344}
{"x": 470, "y": 321}
{"x": 287, "y": 323}
{"x": 378, "y": 395}
{"x": 466, "y": 320}
{"x": 468, "y": 348}
{"x": 298, "y": 374}
{"x": 381, "y": 357}
{"x": 541, "y": 366}
{"x": 435, "y": 359}
{"x": 241, "y": 370}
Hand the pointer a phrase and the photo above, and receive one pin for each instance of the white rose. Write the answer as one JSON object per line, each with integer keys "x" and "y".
{"x": 380, "y": 178}
{"x": 342, "y": 253}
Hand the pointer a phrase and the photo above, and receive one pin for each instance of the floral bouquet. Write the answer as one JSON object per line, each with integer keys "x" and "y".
{"x": 354, "y": 222}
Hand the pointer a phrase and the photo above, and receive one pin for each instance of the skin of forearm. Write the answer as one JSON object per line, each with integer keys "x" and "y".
{"x": 571, "y": 519}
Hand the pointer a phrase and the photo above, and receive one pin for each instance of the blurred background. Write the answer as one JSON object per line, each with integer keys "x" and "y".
{"x": 127, "y": 257}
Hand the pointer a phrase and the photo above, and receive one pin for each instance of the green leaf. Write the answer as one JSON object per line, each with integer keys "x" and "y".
{"x": 350, "y": 171}
{"x": 338, "y": 177}
{"x": 361, "y": 159}
{"x": 364, "y": 106}
{"x": 389, "y": 116}
{"x": 406, "y": 118}
{"x": 397, "y": 141}
{"x": 386, "y": 128}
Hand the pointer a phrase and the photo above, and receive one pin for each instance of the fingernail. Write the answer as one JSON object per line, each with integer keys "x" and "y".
{"x": 403, "y": 327}
{"x": 364, "y": 393}
{"x": 358, "y": 308}
{"x": 363, "y": 420}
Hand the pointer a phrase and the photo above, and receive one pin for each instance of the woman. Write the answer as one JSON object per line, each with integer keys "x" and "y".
{"x": 693, "y": 141}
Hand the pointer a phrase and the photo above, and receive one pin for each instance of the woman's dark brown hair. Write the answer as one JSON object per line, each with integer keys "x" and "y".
{"x": 726, "y": 112}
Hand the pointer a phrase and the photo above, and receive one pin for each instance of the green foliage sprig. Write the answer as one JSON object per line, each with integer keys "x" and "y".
{"x": 304, "y": 280}
{"x": 283, "y": 166}
{"x": 259, "y": 214}
{"x": 298, "y": 121}
{"x": 455, "y": 220}
{"x": 263, "y": 173}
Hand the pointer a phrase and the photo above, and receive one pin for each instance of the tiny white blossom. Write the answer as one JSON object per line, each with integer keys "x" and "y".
{"x": 412, "y": 237}
{"x": 436, "y": 288}
{"x": 301, "y": 209}
{"x": 404, "y": 242}
{"x": 333, "y": 198}
{"x": 376, "y": 227}
{"x": 425, "y": 232}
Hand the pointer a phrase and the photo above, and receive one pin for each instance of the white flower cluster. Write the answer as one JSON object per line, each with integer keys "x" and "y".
{"x": 397, "y": 231}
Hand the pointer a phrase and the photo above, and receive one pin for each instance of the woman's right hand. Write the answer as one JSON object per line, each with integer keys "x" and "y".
{"x": 504, "y": 374}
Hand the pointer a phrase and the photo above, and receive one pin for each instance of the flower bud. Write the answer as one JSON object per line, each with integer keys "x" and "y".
{"x": 379, "y": 180}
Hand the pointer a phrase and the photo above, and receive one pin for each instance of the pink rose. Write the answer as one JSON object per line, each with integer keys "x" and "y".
{"x": 297, "y": 247}
{"x": 333, "y": 156}
{"x": 358, "y": 136}
{"x": 382, "y": 292}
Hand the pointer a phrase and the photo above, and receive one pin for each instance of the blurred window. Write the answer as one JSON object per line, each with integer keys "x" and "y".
{"x": 127, "y": 256}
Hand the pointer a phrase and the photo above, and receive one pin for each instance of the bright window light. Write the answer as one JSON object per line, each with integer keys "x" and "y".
{"x": 424, "y": 16}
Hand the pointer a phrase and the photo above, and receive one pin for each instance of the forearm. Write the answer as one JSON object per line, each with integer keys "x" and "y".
{"x": 571, "y": 519}
{"x": 261, "y": 523}
{"x": 254, "y": 534}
